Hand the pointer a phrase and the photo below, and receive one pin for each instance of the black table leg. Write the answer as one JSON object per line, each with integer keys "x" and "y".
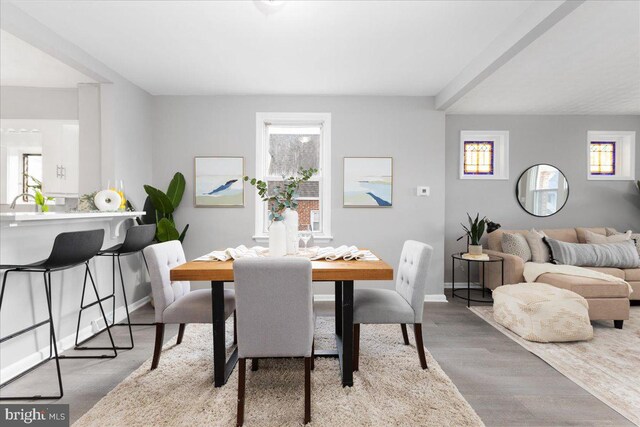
{"x": 468, "y": 284}
{"x": 347, "y": 333}
{"x": 484, "y": 278}
{"x": 217, "y": 302}
{"x": 453, "y": 277}
{"x": 338, "y": 307}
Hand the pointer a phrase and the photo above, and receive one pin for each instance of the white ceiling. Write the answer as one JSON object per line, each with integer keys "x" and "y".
{"x": 23, "y": 65}
{"x": 297, "y": 47}
{"x": 588, "y": 63}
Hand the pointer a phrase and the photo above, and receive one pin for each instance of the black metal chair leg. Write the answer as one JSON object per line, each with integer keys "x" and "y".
{"x": 47, "y": 282}
{"x": 106, "y": 322}
{"x": 126, "y": 305}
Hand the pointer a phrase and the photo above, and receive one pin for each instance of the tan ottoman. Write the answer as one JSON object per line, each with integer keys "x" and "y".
{"x": 542, "y": 313}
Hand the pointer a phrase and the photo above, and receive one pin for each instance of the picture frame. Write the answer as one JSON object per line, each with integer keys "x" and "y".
{"x": 367, "y": 182}
{"x": 218, "y": 181}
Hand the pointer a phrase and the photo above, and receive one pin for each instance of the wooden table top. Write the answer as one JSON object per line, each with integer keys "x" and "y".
{"x": 321, "y": 271}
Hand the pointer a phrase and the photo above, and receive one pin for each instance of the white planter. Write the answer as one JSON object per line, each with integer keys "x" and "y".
{"x": 475, "y": 249}
{"x": 277, "y": 239}
{"x": 291, "y": 224}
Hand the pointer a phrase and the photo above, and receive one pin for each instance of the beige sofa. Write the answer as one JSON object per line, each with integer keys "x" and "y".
{"x": 607, "y": 300}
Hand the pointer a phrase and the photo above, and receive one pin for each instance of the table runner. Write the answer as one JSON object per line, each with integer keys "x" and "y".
{"x": 344, "y": 252}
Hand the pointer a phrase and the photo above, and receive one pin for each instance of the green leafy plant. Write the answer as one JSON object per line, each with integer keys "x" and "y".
{"x": 476, "y": 228}
{"x": 160, "y": 206}
{"x": 284, "y": 195}
{"x": 41, "y": 200}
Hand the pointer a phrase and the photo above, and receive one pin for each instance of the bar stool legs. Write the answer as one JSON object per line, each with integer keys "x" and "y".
{"x": 107, "y": 328}
{"x": 53, "y": 350}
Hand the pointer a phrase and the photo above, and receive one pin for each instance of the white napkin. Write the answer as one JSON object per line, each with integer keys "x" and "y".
{"x": 347, "y": 253}
{"x": 234, "y": 253}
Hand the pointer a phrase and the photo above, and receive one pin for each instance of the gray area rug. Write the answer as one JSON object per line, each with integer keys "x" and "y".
{"x": 608, "y": 366}
{"x": 390, "y": 388}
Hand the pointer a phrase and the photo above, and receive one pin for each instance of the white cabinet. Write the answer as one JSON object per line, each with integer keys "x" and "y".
{"x": 60, "y": 152}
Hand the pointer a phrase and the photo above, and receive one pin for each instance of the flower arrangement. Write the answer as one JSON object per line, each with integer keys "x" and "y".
{"x": 285, "y": 195}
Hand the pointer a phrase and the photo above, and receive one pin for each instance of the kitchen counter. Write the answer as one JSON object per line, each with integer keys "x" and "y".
{"x": 21, "y": 219}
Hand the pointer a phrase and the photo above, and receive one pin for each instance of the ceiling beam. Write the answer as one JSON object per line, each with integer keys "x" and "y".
{"x": 20, "y": 24}
{"x": 533, "y": 23}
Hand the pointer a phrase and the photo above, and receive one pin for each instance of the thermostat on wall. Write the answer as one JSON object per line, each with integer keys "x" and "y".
{"x": 423, "y": 191}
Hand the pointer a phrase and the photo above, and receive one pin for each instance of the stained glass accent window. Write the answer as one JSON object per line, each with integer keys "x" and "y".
{"x": 602, "y": 158}
{"x": 478, "y": 158}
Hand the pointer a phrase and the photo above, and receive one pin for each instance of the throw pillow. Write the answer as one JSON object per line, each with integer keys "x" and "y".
{"x": 616, "y": 255}
{"x": 592, "y": 237}
{"x": 516, "y": 244}
{"x": 634, "y": 236}
{"x": 539, "y": 249}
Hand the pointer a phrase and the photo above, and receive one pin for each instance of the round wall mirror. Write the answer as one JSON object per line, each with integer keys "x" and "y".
{"x": 542, "y": 190}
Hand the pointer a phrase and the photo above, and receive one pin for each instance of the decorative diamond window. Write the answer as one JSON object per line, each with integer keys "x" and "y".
{"x": 484, "y": 154}
{"x": 611, "y": 155}
{"x": 478, "y": 157}
{"x": 602, "y": 158}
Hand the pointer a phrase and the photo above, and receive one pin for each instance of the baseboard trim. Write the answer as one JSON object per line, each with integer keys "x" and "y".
{"x": 67, "y": 342}
{"x": 427, "y": 298}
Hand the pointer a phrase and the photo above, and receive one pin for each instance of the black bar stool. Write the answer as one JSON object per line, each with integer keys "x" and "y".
{"x": 69, "y": 250}
{"x": 137, "y": 238}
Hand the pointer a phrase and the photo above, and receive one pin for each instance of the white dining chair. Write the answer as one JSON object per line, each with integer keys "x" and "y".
{"x": 275, "y": 317}
{"x": 403, "y": 305}
{"x": 175, "y": 302}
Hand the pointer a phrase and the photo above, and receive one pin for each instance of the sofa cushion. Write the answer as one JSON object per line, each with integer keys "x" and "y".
{"x": 592, "y": 237}
{"x": 586, "y": 286}
{"x": 580, "y": 233}
{"x": 615, "y": 272}
{"x": 516, "y": 244}
{"x": 620, "y": 255}
{"x": 632, "y": 274}
{"x": 494, "y": 240}
{"x": 539, "y": 249}
{"x": 634, "y": 236}
{"x": 568, "y": 235}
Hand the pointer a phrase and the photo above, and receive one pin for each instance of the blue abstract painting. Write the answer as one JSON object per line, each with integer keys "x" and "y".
{"x": 368, "y": 181}
{"x": 218, "y": 181}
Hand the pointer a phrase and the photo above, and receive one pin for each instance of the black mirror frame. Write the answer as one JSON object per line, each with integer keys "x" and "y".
{"x": 518, "y": 192}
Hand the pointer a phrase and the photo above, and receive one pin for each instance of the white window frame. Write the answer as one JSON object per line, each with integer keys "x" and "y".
{"x": 500, "y": 141}
{"x": 295, "y": 119}
{"x": 625, "y": 154}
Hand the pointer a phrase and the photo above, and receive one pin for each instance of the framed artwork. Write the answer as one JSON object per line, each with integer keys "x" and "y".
{"x": 368, "y": 182}
{"x": 218, "y": 182}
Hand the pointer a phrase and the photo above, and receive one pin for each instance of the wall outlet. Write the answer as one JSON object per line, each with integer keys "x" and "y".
{"x": 423, "y": 191}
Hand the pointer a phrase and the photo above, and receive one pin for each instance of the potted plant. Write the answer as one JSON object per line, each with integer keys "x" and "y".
{"x": 282, "y": 203}
{"x": 474, "y": 233}
{"x": 160, "y": 206}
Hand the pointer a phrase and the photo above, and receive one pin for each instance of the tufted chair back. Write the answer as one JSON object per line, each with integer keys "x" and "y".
{"x": 162, "y": 257}
{"x": 411, "y": 279}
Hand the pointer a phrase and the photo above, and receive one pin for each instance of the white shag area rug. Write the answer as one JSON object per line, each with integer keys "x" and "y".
{"x": 389, "y": 390}
{"x": 608, "y": 366}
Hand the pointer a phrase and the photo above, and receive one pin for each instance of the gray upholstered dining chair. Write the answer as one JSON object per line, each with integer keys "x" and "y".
{"x": 275, "y": 316}
{"x": 175, "y": 302}
{"x": 403, "y": 305}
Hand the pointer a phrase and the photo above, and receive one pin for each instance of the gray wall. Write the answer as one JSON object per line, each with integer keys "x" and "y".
{"x": 38, "y": 103}
{"x": 558, "y": 140}
{"x": 406, "y": 128}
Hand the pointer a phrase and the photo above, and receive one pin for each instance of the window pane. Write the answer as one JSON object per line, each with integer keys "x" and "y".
{"x": 309, "y": 189}
{"x": 602, "y": 158}
{"x": 292, "y": 148}
{"x": 478, "y": 157}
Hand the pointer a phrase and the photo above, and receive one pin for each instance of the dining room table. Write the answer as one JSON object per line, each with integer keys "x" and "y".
{"x": 343, "y": 273}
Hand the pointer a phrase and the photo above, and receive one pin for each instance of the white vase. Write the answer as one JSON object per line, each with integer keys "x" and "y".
{"x": 291, "y": 224}
{"x": 277, "y": 239}
{"x": 475, "y": 249}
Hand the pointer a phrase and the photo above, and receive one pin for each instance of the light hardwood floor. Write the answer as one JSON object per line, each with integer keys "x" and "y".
{"x": 504, "y": 383}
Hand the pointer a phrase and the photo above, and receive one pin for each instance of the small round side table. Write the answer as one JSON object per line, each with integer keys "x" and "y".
{"x": 459, "y": 257}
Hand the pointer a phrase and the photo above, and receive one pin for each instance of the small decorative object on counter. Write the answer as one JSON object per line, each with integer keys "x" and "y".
{"x": 107, "y": 200}
{"x": 474, "y": 233}
{"x": 41, "y": 201}
{"x": 86, "y": 202}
